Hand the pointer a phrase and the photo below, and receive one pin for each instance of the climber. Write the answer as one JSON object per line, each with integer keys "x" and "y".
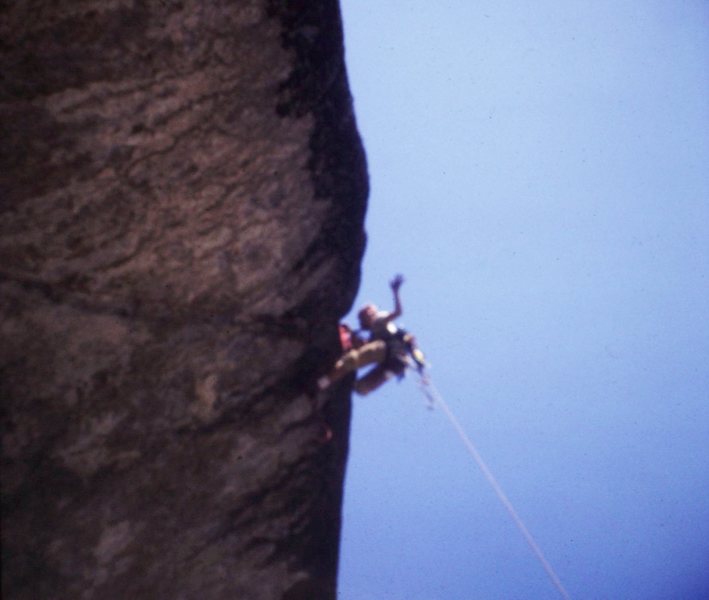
{"x": 388, "y": 347}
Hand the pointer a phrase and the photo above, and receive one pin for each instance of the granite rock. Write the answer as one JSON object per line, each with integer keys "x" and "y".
{"x": 182, "y": 198}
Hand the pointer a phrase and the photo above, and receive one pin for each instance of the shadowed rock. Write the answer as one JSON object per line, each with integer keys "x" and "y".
{"x": 182, "y": 197}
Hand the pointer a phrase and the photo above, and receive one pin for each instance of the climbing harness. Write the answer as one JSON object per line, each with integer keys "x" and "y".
{"x": 401, "y": 349}
{"x": 435, "y": 399}
{"x": 402, "y": 353}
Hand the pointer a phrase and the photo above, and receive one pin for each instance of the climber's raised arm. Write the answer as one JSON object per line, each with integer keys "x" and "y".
{"x": 395, "y": 284}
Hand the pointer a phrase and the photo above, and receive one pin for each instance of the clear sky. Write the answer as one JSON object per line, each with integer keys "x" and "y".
{"x": 540, "y": 174}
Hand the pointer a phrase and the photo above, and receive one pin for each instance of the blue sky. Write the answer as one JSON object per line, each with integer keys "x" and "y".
{"x": 539, "y": 175}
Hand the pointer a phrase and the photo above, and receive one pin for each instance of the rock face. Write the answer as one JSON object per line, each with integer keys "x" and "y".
{"x": 182, "y": 200}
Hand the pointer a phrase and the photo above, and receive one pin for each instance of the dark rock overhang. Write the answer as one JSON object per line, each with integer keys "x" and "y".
{"x": 182, "y": 197}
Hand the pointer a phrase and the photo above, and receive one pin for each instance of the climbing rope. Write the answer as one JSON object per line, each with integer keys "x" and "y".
{"x": 435, "y": 399}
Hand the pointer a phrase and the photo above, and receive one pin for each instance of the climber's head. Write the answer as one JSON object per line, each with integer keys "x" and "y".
{"x": 367, "y": 316}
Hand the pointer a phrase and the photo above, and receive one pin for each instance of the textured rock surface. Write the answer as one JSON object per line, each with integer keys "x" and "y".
{"x": 182, "y": 198}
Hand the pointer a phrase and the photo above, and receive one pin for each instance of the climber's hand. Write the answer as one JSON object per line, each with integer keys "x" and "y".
{"x": 396, "y": 282}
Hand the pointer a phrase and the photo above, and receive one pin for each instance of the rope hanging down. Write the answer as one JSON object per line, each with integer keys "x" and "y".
{"x": 435, "y": 398}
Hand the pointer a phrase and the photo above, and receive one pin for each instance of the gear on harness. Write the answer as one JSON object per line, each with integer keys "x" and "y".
{"x": 402, "y": 353}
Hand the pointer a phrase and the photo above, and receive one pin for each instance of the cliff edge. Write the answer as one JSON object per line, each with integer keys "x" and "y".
{"x": 181, "y": 226}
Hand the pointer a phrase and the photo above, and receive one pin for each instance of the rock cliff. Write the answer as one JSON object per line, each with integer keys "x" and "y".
{"x": 182, "y": 199}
